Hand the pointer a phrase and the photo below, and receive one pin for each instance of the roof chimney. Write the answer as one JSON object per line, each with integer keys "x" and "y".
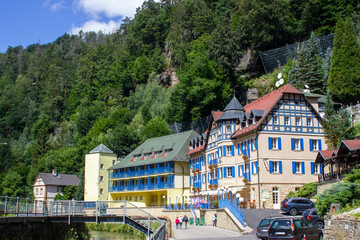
{"x": 54, "y": 172}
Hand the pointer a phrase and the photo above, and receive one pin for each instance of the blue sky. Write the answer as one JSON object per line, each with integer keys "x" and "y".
{"x": 24, "y": 22}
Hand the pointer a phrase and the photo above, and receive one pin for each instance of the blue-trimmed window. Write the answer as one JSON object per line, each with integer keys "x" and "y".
{"x": 298, "y": 167}
{"x": 275, "y": 166}
{"x": 316, "y": 168}
{"x": 275, "y": 120}
{"x": 274, "y": 143}
{"x": 315, "y": 144}
{"x": 297, "y": 144}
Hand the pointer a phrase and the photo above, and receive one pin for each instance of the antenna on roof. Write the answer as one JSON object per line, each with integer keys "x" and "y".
{"x": 234, "y": 91}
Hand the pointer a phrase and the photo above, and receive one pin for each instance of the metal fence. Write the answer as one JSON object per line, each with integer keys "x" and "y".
{"x": 25, "y": 207}
{"x": 274, "y": 58}
{"x": 199, "y": 126}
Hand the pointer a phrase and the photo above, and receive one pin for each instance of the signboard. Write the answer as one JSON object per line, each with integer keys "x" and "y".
{"x": 266, "y": 194}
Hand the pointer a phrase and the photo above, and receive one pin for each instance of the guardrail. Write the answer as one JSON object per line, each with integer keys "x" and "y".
{"x": 225, "y": 203}
{"x": 132, "y": 215}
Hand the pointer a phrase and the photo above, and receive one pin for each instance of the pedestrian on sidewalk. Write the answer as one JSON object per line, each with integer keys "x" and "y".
{"x": 185, "y": 220}
{"x": 177, "y": 222}
{"x": 214, "y": 220}
{"x": 180, "y": 222}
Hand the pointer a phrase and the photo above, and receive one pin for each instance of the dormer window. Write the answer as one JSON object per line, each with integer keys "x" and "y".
{"x": 228, "y": 128}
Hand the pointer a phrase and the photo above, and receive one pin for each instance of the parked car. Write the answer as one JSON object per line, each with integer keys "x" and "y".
{"x": 263, "y": 227}
{"x": 312, "y": 216}
{"x": 296, "y": 205}
{"x": 295, "y": 228}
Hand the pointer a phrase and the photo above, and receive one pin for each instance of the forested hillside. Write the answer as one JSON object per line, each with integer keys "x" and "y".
{"x": 60, "y": 100}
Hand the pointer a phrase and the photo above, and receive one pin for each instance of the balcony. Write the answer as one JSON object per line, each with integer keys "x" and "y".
{"x": 197, "y": 184}
{"x": 142, "y": 187}
{"x": 142, "y": 172}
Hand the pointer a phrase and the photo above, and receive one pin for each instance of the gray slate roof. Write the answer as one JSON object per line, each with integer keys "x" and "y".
{"x": 234, "y": 104}
{"x": 101, "y": 149}
{"x": 59, "y": 179}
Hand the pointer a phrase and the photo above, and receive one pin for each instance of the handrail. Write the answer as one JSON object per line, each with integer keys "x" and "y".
{"x": 192, "y": 210}
{"x": 225, "y": 203}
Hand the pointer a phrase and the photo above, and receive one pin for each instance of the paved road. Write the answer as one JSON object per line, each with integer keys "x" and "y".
{"x": 252, "y": 219}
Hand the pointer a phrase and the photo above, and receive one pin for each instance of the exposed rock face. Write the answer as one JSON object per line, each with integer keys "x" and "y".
{"x": 251, "y": 95}
{"x": 168, "y": 78}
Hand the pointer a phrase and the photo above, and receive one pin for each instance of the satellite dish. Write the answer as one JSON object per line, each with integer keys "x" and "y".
{"x": 281, "y": 81}
{"x": 279, "y": 75}
{"x": 306, "y": 86}
{"x": 277, "y": 84}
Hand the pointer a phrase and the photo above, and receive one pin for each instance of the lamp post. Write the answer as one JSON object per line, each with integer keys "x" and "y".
{"x": 227, "y": 191}
{"x": 164, "y": 200}
{"x": 222, "y": 191}
{"x": 241, "y": 200}
{"x": 233, "y": 194}
{"x": 176, "y": 201}
{"x": 183, "y": 198}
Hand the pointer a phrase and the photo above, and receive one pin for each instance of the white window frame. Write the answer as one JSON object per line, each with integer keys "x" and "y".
{"x": 229, "y": 172}
{"x": 287, "y": 120}
{"x": 101, "y": 166}
{"x": 275, "y": 167}
{"x": 36, "y": 191}
{"x": 309, "y": 121}
{"x": 315, "y": 145}
{"x": 228, "y": 128}
{"x": 298, "y": 121}
{"x": 297, "y": 167}
{"x": 228, "y": 150}
{"x": 317, "y": 167}
{"x": 101, "y": 178}
{"x": 274, "y": 143}
{"x": 41, "y": 191}
{"x": 275, "y": 120}
{"x": 297, "y": 145}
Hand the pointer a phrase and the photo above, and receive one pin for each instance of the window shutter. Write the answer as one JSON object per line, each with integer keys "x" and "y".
{"x": 303, "y": 167}
{"x": 271, "y": 167}
{"x": 248, "y": 149}
{"x": 233, "y": 171}
{"x": 321, "y": 168}
{"x": 280, "y": 166}
{"x": 292, "y": 144}
{"x": 256, "y": 142}
{"x": 191, "y": 181}
{"x": 252, "y": 145}
{"x": 279, "y": 143}
{"x": 257, "y": 170}
{"x": 270, "y": 145}
{"x": 311, "y": 146}
{"x": 312, "y": 168}
{"x": 232, "y": 150}
{"x": 302, "y": 144}
{"x": 238, "y": 149}
{"x": 224, "y": 172}
{"x": 239, "y": 171}
{"x": 252, "y": 167}
{"x": 242, "y": 170}
{"x": 320, "y": 147}
{"x": 293, "y": 167}
{"x": 242, "y": 147}
{"x": 249, "y": 175}
{"x": 224, "y": 151}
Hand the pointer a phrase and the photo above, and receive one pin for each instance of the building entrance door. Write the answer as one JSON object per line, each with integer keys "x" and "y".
{"x": 276, "y": 204}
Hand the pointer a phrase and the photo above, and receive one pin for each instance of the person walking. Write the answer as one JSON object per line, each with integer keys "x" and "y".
{"x": 180, "y": 222}
{"x": 177, "y": 222}
{"x": 214, "y": 220}
{"x": 185, "y": 220}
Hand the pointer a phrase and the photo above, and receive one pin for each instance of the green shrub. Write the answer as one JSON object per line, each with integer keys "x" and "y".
{"x": 308, "y": 190}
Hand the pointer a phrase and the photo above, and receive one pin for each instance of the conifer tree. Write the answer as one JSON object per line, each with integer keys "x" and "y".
{"x": 308, "y": 68}
{"x": 344, "y": 79}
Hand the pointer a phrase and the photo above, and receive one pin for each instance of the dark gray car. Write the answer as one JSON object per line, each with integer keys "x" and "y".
{"x": 312, "y": 216}
{"x": 263, "y": 227}
{"x": 295, "y": 228}
{"x": 296, "y": 205}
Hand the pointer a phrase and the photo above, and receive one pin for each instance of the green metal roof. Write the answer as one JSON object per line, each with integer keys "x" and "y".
{"x": 177, "y": 142}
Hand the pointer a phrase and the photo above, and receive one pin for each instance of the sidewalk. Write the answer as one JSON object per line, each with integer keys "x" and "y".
{"x": 203, "y": 232}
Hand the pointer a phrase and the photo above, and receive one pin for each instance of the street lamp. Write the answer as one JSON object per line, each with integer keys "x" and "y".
{"x": 233, "y": 194}
{"x": 241, "y": 200}
{"x": 227, "y": 191}
{"x": 183, "y": 198}
{"x": 222, "y": 191}
{"x": 164, "y": 200}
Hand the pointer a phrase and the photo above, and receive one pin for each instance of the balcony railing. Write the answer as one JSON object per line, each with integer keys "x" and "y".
{"x": 197, "y": 184}
{"x": 333, "y": 175}
{"x": 142, "y": 172}
{"x": 141, "y": 187}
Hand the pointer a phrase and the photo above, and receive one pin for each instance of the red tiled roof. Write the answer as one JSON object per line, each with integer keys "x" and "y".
{"x": 352, "y": 144}
{"x": 195, "y": 150}
{"x": 216, "y": 115}
{"x": 327, "y": 154}
{"x": 266, "y": 103}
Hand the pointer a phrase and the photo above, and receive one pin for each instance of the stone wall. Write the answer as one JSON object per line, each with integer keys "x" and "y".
{"x": 341, "y": 227}
{"x": 224, "y": 221}
{"x": 321, "y": 187}
{"x": 284, "y": 190}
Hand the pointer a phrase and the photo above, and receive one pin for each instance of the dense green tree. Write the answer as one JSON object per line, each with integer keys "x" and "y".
{"x": 344, "y": 79}
{"x": 79, "y": 193}
{"x": 338, "y": 125}
{"x": 156, "y": 127}
{"x": 12, "y": 185}
{"x": 309, "y": 67}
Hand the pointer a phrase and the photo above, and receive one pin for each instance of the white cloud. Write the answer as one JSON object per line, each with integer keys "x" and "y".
{"x": 111, "y": 8}
{"x": 96, "y": 26}
{"x": 57, "y": 6}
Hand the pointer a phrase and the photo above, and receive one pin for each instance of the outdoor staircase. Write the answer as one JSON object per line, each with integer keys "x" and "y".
{"x": 138, "y": 225}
